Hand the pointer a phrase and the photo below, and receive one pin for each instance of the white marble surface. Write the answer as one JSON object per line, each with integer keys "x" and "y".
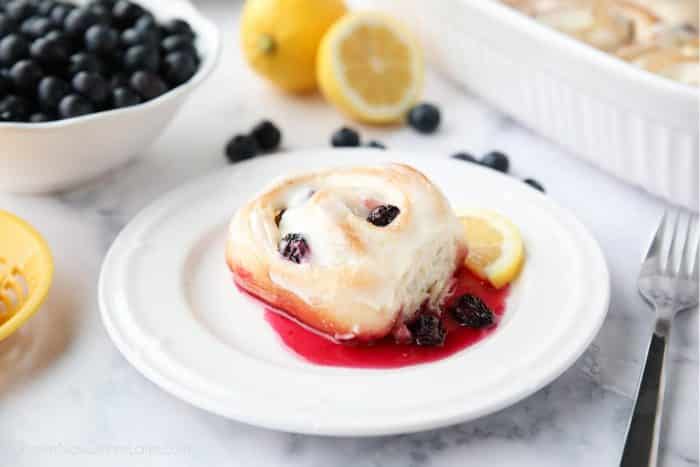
{"x": 67, "y": 397}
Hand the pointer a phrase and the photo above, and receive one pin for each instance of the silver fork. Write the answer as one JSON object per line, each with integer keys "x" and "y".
{"x": 669, "y": 282}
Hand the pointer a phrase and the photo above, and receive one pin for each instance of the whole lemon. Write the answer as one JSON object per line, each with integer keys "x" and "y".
{"x": 280, "y": 38}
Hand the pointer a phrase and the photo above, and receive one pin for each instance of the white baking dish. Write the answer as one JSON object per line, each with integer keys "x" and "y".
{"x": 638, "y": 126}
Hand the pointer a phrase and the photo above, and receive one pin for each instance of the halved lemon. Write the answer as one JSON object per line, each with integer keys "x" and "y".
{"x": 495, "y": 247}
{"x": 370, "y": 67}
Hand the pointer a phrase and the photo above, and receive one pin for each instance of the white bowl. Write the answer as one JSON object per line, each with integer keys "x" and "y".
{"x": 46, "y": 157}
{"x": 639, "y": 126}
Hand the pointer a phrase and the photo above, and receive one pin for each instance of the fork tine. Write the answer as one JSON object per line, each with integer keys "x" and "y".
{"x": 687, "y": 254}
{"x": 657, "y": 242}
{"x": 669, "y": 265}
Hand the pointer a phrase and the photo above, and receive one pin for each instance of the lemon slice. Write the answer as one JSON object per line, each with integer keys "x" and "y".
{"x": 370, "y": 67}
{"x": 495, "y": 250}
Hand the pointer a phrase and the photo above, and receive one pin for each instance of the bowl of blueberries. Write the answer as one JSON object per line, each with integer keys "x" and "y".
{"x": 85, "y": 86}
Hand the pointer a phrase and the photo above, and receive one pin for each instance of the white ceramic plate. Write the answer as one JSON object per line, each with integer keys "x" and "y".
{"x": 169, "y": 304}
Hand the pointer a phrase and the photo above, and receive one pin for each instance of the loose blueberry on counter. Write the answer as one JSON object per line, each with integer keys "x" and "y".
{"x": 471, "y": 311}
{"x": 147, "y": 84}
{"x": 124, "y": 97}
{"x": 376, "y": 145}
{"x": 424, "y": 117}
{"x": 13, "y": 48}
{"x": 267, "y": 136}
{"x": 75, "y": 105}
{"x": 25, "y": 75}
{"x": 293, "y": 246}
{"x": 427, "y": 330}
{"x": 241, "y": 147}
{"x": 496, "y": 160}
{"x": 464, "y": 156}
{"x": 51, "y": 90}
{"x": 101, "y": 39}
{"x": 345, "y": 138}
{"x": 535, "y": 184}
{"x": 383, "y": 215}
{"x": 91, "y": 85}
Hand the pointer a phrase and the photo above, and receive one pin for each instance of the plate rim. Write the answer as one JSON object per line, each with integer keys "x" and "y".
{"x": 387, "y": 427}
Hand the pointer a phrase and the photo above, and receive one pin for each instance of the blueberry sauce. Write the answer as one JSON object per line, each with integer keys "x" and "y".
{"x": 386, "y": 353}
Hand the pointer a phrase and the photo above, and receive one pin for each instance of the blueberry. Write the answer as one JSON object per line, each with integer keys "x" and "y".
{"x": 119, "y": 80}
{"x": 179, "y": 67}
{"x": 497, "y": 161}
{"x": 36, "y": 26}
{"x": 48, "y": 51}
{"x": 241, "y": 147}
{"x": 464, "y": 156}
{"x": 535, "y": 184}
{"x": 147, "y": 84}
{"x": 345, "y": 137}
{"x": 41, "y": 117}
{"x": 376, "y": 145}
{"x": 7, "y": 26}
{"x": 267, "y": 136}
{"x": 5, "y": 85}
{"x": 125, "y": 13}
{"x": 13, "y": 48}
{"x": 82, "y": 61}
{"x": 178, "y": 42}
{"x": 19, "y": 10}
{"x": 14, "y": 108}
{"x": 101, "y": 39}
{"x": 124, "y": 97}
{"x": 44, "y": 7}
{"x": 134, "y": 36}
{"x": 91, "y": 85}
{"x": 141, "y": 57}
{"x": 383, "y": 215}
{"x": 178, "y": 26}
{"x": 79, "y": 20}
{"x": 470, "y": 311}
{"x": 102, "y": 13}
{"x": 25, "y": 75}
{"x": 145, "y": 22}
{"x": 293, "y": 246}
{"x": 424, "y": 117}
{"x": 59, "y": 13}
{"x": 51, "y": 90}
{"x": 75, "y": 105}
{"x": 427, "y": 330}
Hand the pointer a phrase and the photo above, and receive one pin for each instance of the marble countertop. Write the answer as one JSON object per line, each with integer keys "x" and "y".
{"x": 67, "y": 397}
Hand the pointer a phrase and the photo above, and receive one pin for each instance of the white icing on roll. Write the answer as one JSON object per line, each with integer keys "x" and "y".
{"x": 358, "y": 279}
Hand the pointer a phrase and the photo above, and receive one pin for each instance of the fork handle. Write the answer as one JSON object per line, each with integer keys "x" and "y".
{"x": 642, "y": 443}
